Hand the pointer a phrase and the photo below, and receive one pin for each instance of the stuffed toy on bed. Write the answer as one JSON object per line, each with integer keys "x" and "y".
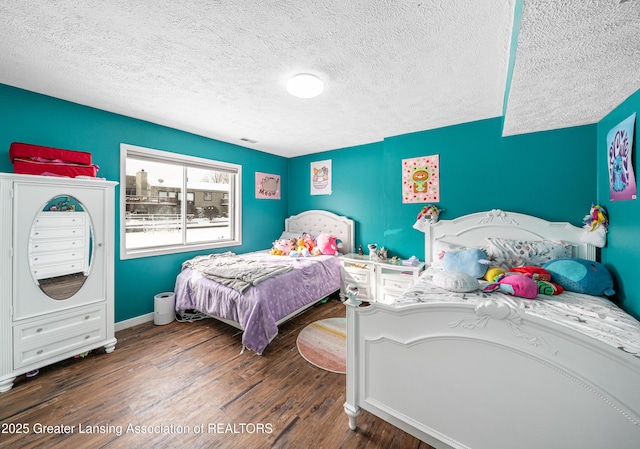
{"x": 581, "y": 276}
{"x": 305, "y": 247}
{"x": 542, "y": 278}
{"x": 494, "y": 274}
{"x": 328, "y": 244}
{"x": 282, "y": 247}
{"x": 472, "y": 261}
{"x": 515, "y": 285}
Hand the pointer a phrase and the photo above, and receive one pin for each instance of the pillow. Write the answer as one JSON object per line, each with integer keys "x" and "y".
{"x": 507, "y": 253}
{"x": 581, "y": 276}
{"x": 455, "y": 281}
{"x": 286, "y": 235}
{"x": 471, "y": 261}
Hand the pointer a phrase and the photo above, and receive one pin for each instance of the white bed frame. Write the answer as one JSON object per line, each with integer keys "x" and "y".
{"x": 501, "y": 380}
{"x": 313, "y": 222}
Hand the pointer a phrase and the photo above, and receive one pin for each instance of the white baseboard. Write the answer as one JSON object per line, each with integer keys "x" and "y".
{"x": 120, "y": 325}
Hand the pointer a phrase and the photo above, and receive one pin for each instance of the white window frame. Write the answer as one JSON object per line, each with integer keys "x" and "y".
{"x": 235, "y": 198}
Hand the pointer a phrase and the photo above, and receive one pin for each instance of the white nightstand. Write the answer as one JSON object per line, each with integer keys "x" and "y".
{"x": 380, "y": 281}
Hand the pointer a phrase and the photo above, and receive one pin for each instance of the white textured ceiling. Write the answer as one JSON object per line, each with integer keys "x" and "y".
{"x": 576, "y": 61}
{"x": 218, "y": 68}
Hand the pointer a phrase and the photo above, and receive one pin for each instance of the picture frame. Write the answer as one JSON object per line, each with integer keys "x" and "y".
{"x": 267, "y": 186}
{"x": 321, "y": 177}
{"x": 421, "y": 179}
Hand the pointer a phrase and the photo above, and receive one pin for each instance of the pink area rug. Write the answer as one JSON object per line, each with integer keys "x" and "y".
{"x": 323, "y": 343}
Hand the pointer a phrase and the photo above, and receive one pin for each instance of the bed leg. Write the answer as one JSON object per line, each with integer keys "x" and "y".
{"x": 352, "y": 413}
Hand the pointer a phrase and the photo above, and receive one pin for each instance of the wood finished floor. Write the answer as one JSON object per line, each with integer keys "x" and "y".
{"x": 183, "y": 375}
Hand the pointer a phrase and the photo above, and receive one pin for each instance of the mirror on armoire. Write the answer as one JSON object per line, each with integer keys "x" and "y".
{"x": 61, "y": 247}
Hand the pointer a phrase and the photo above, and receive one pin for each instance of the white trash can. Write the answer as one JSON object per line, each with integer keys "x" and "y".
{"x": 164, "y": 308}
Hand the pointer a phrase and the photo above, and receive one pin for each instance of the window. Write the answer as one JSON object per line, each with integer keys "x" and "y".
{"x": 172, "y": 203}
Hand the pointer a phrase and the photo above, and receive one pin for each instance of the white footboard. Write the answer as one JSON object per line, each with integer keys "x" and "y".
{"x": 455, "y": 377}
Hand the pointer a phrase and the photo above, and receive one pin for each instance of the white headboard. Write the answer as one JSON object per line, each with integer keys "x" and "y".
{"x": 317, "y": 221}
{"x": 473, "y": 229}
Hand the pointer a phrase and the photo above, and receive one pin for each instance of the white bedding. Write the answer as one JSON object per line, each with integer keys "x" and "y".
{"x": 592, "y": 315}
{"x": 487, "y": 370}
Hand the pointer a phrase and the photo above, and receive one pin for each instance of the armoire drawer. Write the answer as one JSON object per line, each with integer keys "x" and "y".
{"x": 62, "y": 257}
{"x": 43, "y": 338}
{"x": 27, "y": 356}
{"x": 61, "y": 220}
{"x": 40, "y": 234}
{"x": 40, "y": 246}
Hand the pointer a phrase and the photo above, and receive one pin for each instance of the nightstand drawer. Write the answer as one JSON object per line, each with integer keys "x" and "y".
{"x": 356, "y": 275}
{"x": 388, "y": 296}
{"x": 397, "y": 283}
{"x": 364, "y": 292}
{"x": 377, "y": 280}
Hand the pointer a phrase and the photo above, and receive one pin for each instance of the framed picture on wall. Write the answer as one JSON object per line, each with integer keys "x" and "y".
{"x": 267, "y": 186}
{"x": 622, "y": 180}
{"x": 321, "y": 177}
{"x": 421, "y": 179}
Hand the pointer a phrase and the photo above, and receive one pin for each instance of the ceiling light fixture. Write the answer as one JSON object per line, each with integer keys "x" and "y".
{"x": 305, "y": 85}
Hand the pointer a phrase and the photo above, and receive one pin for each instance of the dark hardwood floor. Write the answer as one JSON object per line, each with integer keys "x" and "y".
{"x": 186, "y": 385}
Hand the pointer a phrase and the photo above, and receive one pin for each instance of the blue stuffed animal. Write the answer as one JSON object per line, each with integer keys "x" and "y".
{"x": 581, "y": 276}
{"x": 472, "y": 261}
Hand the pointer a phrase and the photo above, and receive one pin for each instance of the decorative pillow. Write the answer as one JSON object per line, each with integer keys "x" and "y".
{"x": 581, "y": 276}
{"x": 471, "y": 261}
{"x": 455, "y": 281}
{"x": 507, "y": 253}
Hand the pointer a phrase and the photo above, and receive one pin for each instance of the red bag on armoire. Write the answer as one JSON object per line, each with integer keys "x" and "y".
{"x": 38, "y": 160}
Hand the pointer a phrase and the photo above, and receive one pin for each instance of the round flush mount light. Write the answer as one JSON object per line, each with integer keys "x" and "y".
{"x": 305, "y": 85}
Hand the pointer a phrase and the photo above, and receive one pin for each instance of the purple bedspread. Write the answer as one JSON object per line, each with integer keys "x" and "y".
{"x": 261, "y": 306}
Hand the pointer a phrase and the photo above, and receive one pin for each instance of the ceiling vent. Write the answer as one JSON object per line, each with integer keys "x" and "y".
{"x": 244, "y": 139}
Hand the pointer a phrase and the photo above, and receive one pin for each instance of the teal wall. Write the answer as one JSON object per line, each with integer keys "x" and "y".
{"x": 479, "y": 170}
{"x": 621, "y": 255}
{"x": 41, "y": 120}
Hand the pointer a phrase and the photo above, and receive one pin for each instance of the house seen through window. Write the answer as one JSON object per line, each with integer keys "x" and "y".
{"x": 173, "y": 203}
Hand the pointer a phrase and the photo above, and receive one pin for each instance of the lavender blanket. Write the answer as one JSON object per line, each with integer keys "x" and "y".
{"x": 260, "y": 306}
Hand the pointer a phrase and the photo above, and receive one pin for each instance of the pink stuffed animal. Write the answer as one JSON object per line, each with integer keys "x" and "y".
{"x": 282, "y": 247}
{"x": 327, "y": 244}
{"x": 515, "y": 285}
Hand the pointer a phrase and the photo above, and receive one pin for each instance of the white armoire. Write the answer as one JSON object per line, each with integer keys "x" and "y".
{"x": 56, "y": 282}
